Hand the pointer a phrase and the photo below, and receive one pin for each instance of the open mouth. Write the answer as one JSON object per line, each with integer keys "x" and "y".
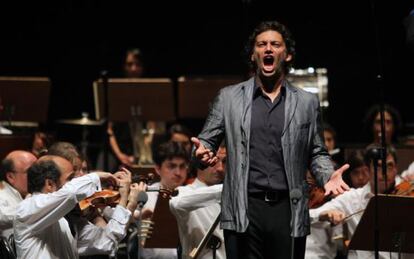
{"x": 268, "y": 63}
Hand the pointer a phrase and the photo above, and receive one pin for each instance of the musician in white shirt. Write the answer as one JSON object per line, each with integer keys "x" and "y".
{"x": 352, "y": 203}
{"x": 197, "y": 206}
{"x": 104, "y": 236}
{"x": 171, "y": 164}
{"x": 14, "y": 187}
{"x": 40, "y": 229}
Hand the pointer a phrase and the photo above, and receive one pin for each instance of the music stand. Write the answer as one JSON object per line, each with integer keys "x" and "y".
{"x": 165, "y": 233}
{"x": 18, "y": 107}
{"x": 145, "y": 98}
{"x": 396, "y": 226}
{"x": 196, "y": 93}
{"x": 21, "y": 112}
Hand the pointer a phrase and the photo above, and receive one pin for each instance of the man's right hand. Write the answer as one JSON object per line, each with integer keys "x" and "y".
{"x": 333, "y": 216}
{"x": 205, "y": 155}
{"x": 109, "y": 178}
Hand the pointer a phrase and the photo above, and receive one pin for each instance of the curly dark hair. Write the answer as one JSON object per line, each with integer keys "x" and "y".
{"x": 286, "y": 35}
{"x": 170, "y": 150}
{"x": 39, "y": 172}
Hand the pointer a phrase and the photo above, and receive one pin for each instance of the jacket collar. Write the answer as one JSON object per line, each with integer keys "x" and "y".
{"x": 290, "y": 104}
{"x": 247, "y": 88}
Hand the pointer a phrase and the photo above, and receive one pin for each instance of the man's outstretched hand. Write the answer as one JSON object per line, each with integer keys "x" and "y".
{"x": 205, "y": 155}
{"x": 336, "y": 185}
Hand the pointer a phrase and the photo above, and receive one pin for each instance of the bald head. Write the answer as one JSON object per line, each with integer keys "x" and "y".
{"x": 14, "y": 169}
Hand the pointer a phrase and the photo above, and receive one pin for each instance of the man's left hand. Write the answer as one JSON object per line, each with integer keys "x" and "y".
{"x": 336, "y": 185}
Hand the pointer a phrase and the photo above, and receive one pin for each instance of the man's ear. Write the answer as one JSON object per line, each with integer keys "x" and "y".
{"x": 50, "y": 186}
{"x": 288, "y": 58}
{"x": 10, "y": 177}
{"x": 158, "y": 169}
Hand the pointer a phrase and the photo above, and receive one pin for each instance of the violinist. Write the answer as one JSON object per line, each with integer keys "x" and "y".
{"x": 320, "y": 243}
{"x": 171, "y": 164}
{"x": 324, "y": 239}
{"x": 350, "y": 205}
{"x": 40, "y": 229}
{"x": 196, "y": 207}
{"x": 99, "y": 234}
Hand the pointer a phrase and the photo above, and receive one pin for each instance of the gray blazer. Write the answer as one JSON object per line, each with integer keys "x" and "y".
{"x": 302, "y": 145}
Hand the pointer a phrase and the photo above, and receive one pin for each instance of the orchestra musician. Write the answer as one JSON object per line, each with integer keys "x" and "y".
{"x": 171, "y": 164}
{"x": 40, "y": 227}
{"x": 351, "y": 204}
{"x": 197, "y": 205}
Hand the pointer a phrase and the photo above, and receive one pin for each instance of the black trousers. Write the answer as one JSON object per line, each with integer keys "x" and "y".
{"x": 268, "y": 233}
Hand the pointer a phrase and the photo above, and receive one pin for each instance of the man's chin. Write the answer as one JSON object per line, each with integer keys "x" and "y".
{"x": 268, "y": 73}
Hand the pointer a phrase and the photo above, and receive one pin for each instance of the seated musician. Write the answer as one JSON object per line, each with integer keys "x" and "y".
{"x": 325, "y": 240}
{"x": 171, "y": 164}
{"x": 197, "y": 206}
{"x": 104, "y": 235}
{"x": 351, "y": 204}
{"x": 40, "y": 229}
{"x": 13, "y": 175}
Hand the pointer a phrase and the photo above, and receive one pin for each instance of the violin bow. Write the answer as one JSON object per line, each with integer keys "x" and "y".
{"x": 196, "y": 251}
{"x": 353, "y": 214}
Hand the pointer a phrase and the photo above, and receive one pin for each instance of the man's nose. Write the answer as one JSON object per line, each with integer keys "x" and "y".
{"x": 268, "y": 47}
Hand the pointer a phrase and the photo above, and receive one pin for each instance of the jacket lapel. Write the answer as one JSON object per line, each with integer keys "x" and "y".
{"x": 290, "y": 104}
{"x": 247, "y": 109}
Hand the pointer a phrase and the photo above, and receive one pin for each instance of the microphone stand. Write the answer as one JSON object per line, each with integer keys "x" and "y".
{"x": 104, "y": 77}
{"x": 142, "y": 199}
{"x": 382, "y": 152}
{"x": 295, "y": 196}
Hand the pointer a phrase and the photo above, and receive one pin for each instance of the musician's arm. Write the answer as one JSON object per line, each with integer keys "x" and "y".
{"x": 103, "y": 240}
{"x": 191, "y": 199}
{"x": 344, "y": 203}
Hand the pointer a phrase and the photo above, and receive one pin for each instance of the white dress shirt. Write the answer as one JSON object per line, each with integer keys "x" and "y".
{"x": 196, "y": 207}
{"x": 353, "y": 201}
{"x": 40, "y": 229}
{"x": 94, "y": 240}
{"x": 320, "y": 243}
{"x": 9, "y": 200}
{"x": 156, "y": 253}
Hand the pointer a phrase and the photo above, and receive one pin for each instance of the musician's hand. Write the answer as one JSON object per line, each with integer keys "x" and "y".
{"x": 125, "y": 179}
{"x": 333, "y": 216}
{"x": 336, "y": 185}
{"x": 205, "y": 155}
{"x": 135, "y": 189}
{"x": 108, "y": 178}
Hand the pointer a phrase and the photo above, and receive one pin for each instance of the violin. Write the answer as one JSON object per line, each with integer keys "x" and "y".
{"x": 111, "y": 198}
{"x": 316, "y": 197}
{"x": 405, "y": 188}
{"x": 98, "y": 200}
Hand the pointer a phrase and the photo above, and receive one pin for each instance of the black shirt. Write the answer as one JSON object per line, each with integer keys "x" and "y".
{"x": 267, "y": 171}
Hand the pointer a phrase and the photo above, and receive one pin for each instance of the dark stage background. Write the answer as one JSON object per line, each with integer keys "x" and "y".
{"x": 72, "y": 41}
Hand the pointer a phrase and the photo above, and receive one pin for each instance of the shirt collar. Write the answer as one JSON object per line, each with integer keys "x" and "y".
{"x": 257, "y": 91}
{"x": 12, "y": 190}
{"x": 198, "y": 183}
